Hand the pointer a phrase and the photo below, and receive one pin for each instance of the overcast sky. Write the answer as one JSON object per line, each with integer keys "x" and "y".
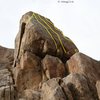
{"x": 80, "y": 21}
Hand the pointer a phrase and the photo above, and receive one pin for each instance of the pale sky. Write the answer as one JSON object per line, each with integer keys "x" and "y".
{"x": 80, "y": 21}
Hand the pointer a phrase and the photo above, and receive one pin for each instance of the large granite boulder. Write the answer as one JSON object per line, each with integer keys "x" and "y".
{"x": 38, "y": 35}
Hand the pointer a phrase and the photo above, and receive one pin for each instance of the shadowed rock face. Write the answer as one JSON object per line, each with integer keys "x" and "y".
{"x": 46, "y": 65}
{"x": 6, "y": 57}
{"x": 7, "y": 89}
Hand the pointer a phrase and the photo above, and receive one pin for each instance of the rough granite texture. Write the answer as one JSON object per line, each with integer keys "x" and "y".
{"x": 46, "y": 65}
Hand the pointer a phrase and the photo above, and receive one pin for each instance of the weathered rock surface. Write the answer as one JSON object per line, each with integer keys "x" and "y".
{"x": 80, "y": 63}
{"x": 98, "y": 88}
{"x": 40, "y": 50}
{"x": 30, "y": 94}
{"x": 73, "y": 87}
{"x": 38, "y": 35}
{"x": 51, "y": 90}
{"x": 46, "y": 65}
{"x": 79, "y": 87}
{"x": 7, "y": 89}
{"x": 28, "y": 73}
{"x": 53, "y": 67}
{"x": 6, "y": 57}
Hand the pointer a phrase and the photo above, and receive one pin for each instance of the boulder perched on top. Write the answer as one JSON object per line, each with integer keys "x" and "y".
{"x": 38, "y": 35}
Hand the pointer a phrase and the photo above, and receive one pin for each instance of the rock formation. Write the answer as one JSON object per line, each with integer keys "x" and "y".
{"x": 46, "y": 65}
{"x": 6, "y": 57}
{"x": 7, "y": 88}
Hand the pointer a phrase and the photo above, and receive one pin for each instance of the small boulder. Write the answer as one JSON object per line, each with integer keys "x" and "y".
{"x": 6, "y": 57}
{"x": 51, "y": 90}
{"x": 53, "y": 67}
